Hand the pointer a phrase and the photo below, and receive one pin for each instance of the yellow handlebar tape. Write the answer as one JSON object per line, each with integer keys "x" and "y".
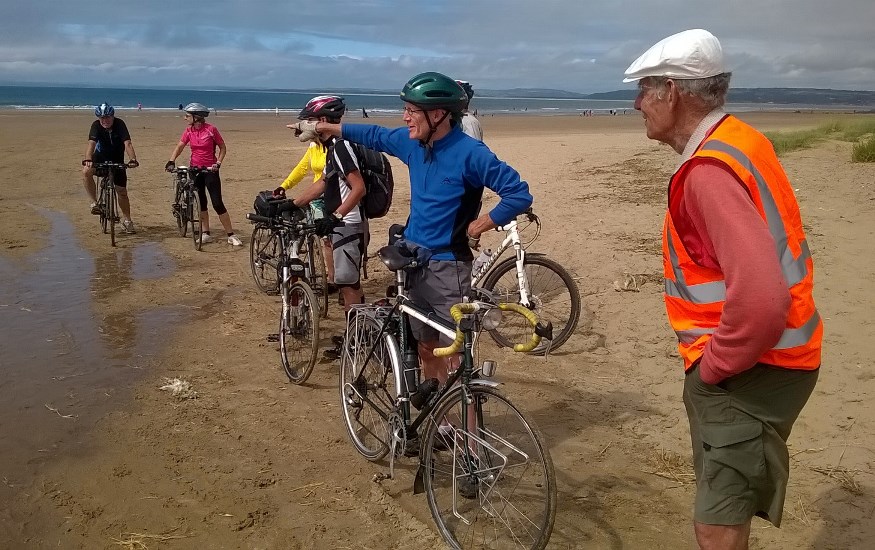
{"x": 458, "y": 310}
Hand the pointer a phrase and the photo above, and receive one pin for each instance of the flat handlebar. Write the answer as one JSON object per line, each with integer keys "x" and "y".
{"x": 112, "y": 165}
{"x": 459, "y": 310}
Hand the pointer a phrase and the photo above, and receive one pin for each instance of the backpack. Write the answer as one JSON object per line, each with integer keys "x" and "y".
{"x": 379, "y": 184}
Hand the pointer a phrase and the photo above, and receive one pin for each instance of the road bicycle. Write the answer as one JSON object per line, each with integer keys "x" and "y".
{"x": 488, "y": 477}
{"x": 264, "y": 252}
{"x": 531, "y": 280}
{"x": 298, "y": 335}
{"x": 186, "y": 206}
{"x": 107, "y": 198}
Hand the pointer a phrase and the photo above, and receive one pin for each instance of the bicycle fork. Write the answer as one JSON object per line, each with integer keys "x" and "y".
{"x": 522, "y": 279}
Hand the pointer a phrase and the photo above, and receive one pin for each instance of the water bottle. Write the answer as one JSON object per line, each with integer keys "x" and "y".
{"x": 481, "y": 260}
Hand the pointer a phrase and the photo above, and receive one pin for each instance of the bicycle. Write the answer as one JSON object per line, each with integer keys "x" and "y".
{"x": 298, "y": 335}
{"x": 531, "y": 280}
{"x": 186, "y": 206}
{"x": 264, "y": 251}
{"x": 488, "y": 477}
{"x": 107, "y": 198}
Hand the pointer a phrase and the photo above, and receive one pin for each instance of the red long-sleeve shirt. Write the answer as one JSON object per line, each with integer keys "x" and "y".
{"x": 721, "y": 229}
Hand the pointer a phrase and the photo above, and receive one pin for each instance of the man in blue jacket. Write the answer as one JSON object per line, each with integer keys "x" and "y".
{"x": 448, "y": 171}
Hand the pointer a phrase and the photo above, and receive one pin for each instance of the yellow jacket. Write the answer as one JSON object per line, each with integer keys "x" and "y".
{"x": 313, "y": 159}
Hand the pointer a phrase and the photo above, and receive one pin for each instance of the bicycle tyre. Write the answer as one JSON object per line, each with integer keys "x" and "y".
{"x": 101, "y": 205}
{"x": 555, "y": 297}
{"x": 318, "y": 272}
{"x": 195, "y": 218}
{"x": 112, "y": 207}
{"x": 263, "y": 258}
{"x": 299, "y": 332}
{"x": 367, "y": 400}
{"x": 508, "y": 473}
{"x": 181, "y": 208}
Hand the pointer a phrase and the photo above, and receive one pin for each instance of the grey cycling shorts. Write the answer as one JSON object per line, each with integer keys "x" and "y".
{"x": 437, "y": 287}
{"x": 348, "y": 242}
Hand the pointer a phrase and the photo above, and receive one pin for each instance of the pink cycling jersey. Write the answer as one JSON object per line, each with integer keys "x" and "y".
{"x": 202, "y": 142}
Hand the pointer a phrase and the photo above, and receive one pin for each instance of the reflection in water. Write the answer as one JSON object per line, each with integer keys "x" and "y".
{"x": 69, "y": 343}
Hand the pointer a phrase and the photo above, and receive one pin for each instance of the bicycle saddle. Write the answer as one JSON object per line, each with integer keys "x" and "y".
{"x": 395, "y": 258}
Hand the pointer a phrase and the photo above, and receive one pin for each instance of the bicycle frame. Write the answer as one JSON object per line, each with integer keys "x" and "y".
{"x": 511, "y": 239}
{"x": 406, "y": 375}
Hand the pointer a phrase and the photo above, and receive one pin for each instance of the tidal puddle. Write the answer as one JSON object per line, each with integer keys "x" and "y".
{"x": 70, "y": 343}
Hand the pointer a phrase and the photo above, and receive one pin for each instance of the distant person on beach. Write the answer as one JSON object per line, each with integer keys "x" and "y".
{"x": 108, "y": 140}
{"x": 313, "y": 162}
{"x": 204, "y": 140}
{"x": 448, "y": 171}
{"x": 364, "y": 113}
{"x": 470, "y": 124}
{"x": 341, "y": 187}
{"x": 180, "y": 106}
{"x": 738, "y": 288}
{"x": 139, "y": 106}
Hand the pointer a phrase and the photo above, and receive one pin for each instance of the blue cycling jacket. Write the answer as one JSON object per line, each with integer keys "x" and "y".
{"x": 446, "y": 189}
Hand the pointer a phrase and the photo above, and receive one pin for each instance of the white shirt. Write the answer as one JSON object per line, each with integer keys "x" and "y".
{"x": 471, "y": 126}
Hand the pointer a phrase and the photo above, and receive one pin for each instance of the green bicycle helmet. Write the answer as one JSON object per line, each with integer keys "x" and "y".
{"x": 432, "y": 90}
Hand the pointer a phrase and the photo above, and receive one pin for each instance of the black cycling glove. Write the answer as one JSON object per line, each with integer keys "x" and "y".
{"x": 169, "y": 166}
{"x": 325, "y": 226}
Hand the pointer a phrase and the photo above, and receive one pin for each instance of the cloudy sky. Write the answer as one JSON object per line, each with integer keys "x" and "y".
{"x": 575, "y": 45}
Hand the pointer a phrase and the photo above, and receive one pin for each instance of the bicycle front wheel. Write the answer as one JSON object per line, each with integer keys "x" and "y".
{"x": 489, "y": 479}
{"x": 181, "y": 211}
{"x": 112, "y": 211}
{"x": 299, "y": 332}
{"x": 263, "y": 257}
{"x": 194, "y": 213}
{"x": 368, "y": 391}
{"x": 553, "y": 295}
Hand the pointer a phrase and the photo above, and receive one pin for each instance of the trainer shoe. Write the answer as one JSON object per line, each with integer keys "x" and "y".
{"x": 206, "y": 238}
{"x": 128, "y": 227}
{"x": 234, "y": 240}
{"x": 95, "y": 209}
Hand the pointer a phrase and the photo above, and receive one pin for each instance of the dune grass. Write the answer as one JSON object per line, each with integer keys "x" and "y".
{"x": 864, "y": 150}
{"x": 859, "y": 132}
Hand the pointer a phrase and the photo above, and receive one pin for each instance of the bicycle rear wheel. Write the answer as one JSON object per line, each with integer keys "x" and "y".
{"x": 263, "y": 256}
{"x": 318, "y": 274}
{"x": 368, "y": 391}
{"x": 490, "y": 484}
{"x": 299, "y": 332}
{"x": 194, "y": 213}
{"x": 554, "y": 297}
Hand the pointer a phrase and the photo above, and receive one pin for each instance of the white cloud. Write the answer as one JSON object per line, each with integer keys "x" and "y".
{"x": 577, "y": 45}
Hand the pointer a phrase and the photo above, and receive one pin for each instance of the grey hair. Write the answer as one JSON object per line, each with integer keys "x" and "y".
{"x": 710, "y": 91}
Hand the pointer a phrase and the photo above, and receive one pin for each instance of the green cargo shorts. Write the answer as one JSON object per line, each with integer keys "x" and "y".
{"x": 739, "y": 432}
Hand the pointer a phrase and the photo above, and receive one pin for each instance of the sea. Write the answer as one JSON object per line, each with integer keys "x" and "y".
{"x": 291, "y": 101}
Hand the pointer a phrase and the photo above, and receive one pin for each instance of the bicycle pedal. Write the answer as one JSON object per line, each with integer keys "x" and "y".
{"x": 275, "y": 337}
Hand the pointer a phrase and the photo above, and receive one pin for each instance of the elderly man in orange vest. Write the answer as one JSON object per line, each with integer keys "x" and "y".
{"x": 738, "y": 287}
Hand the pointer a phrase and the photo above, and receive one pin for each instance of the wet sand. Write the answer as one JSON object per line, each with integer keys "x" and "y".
{"x": 254, "y": 462}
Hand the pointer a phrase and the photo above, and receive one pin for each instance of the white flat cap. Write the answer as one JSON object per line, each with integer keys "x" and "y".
{"x": 689, "y": 54}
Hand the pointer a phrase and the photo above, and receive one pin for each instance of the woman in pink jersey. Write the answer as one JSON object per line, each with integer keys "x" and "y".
{"x": 204, "y": 140}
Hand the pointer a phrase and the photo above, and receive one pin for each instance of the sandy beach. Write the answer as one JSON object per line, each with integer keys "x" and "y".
{"x": 255, "y": 462}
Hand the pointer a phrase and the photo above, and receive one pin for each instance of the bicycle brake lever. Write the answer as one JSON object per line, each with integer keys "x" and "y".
{"x": 544, "y": 330}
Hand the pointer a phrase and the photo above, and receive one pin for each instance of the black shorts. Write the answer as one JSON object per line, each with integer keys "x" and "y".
{"x": 120, "y": 177}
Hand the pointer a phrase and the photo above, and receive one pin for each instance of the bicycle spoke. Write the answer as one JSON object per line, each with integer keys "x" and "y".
{"x": 490, "y": 484}
{"x": 553, "y": 295}
{"x": 367, "y": 384}
{"x": 299, "y": 333}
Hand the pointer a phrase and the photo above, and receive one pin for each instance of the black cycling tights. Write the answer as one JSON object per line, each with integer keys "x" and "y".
{"x": 213, "y": 184}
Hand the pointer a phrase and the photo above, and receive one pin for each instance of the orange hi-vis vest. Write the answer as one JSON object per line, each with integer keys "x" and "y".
{"x": 694, "y": 295}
